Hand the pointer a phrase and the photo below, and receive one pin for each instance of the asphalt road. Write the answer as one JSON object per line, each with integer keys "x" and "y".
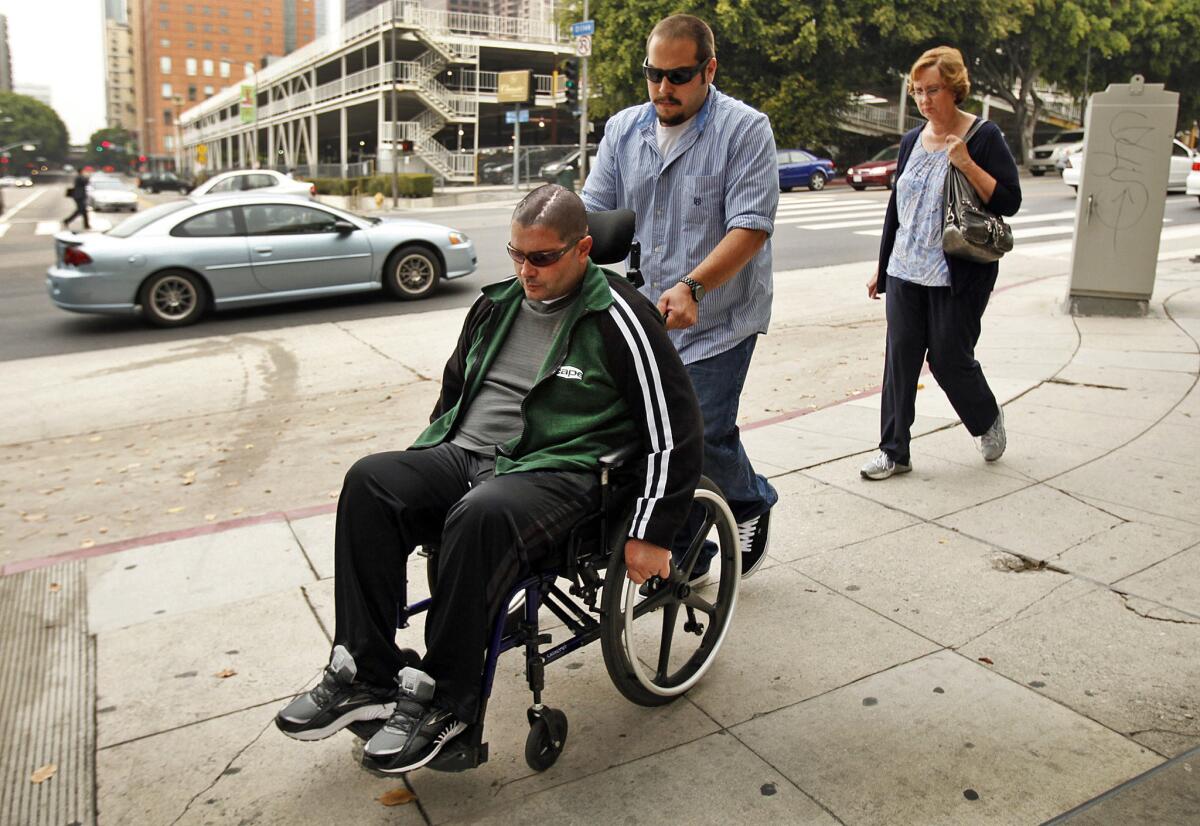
{"x": 31, "y": 326}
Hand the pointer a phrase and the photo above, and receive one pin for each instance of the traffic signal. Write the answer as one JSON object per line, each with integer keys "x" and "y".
{"x": 570, "y": 73}
{"x": 406, "y": 146}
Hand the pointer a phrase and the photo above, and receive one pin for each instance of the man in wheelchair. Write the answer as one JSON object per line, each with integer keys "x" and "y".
{"x": 553, "y": 369}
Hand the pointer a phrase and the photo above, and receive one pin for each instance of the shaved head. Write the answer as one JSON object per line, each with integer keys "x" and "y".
{"x": 556, "y": 208}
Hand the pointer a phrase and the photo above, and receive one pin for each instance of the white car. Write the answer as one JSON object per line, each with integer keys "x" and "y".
{"x": 258, "y": 181}
{"x": 1183, "y": 161}
{"x": 106, "y": 194}
{"x": 1048, "y": 157}
{"x": 1193, "y": 179}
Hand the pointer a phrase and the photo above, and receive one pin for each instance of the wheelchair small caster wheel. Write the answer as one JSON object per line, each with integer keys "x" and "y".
{"x": 547, "y": 736}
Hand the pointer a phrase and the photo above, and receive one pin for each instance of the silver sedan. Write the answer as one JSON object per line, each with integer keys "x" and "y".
{"x": 175, "y": 261}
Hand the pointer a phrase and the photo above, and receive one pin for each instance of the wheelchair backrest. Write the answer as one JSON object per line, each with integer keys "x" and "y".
{"x": 612, "y": 241}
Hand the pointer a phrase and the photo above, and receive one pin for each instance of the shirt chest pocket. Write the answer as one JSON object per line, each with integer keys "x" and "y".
{"x": 701, "y": 199}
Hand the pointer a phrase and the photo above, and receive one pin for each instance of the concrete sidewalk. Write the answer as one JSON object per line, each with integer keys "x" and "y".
{"x": 969, "y": 643}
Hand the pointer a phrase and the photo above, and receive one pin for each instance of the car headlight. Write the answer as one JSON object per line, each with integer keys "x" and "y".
{"x": 457, "y": 238}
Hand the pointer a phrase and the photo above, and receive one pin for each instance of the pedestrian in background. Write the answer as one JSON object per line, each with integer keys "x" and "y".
{"x": 77, "y": 192}
{"x": 698, "y": 168}
{"x": 935, "y": 302}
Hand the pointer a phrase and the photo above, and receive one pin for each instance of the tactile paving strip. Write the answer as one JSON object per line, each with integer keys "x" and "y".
{"x": 47, "y": 691}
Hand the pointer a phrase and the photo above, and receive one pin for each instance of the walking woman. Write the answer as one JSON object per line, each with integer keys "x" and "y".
{"x": 935, "y": 302}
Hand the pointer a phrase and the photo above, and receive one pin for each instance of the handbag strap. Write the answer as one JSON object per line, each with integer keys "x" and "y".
{"x": 975, "y": 127}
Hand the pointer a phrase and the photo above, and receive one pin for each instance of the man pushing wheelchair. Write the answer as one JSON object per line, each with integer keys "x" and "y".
{"x": 553, "y": 369}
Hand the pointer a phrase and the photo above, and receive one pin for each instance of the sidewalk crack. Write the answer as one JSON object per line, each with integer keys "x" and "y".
{"x": 221, "y": 773}
{"x": 1125, "y": 602}
{"x": 421, "y": 376}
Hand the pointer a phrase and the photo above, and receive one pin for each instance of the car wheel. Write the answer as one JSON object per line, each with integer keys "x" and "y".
{"x": 173, "y": 298}
{"x": 412, "y": 272}
{"x": 858, "y": 187}
{"x": 785, "y": 189}
{"x": 1037, "y": 173}
{"x": 817, "y": 182}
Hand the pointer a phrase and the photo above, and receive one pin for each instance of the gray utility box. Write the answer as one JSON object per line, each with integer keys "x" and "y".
{"x": 1122, "y": 195}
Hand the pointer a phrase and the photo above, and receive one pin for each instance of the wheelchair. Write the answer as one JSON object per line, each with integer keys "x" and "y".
{"x": 658, "y": 639}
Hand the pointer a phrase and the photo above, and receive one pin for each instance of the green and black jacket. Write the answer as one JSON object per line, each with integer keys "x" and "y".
{"x": 611, "y": 378}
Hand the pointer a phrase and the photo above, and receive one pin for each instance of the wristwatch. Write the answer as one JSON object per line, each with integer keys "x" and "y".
{"x": 695, "y": 286}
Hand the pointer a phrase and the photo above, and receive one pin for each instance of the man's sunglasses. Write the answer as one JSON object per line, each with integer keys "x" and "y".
{"x": 539, "y": 259}
{"x": 678, "y": 77}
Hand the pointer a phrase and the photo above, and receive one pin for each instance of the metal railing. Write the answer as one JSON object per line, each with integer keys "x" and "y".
{"x": 882, "y": 118}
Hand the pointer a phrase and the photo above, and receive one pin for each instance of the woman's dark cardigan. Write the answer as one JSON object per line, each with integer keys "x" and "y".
{"x": 988, "y": 149}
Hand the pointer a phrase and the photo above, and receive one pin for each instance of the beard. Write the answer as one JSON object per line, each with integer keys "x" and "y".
{"x": 673, "y": 120}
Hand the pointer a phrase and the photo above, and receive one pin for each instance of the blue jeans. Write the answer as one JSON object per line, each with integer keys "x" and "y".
{"x": 718, "y": 384}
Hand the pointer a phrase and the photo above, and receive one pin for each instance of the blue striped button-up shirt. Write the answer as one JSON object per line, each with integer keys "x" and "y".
{"x": 722, "y": 175}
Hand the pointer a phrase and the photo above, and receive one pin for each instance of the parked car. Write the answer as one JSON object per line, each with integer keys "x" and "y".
{"x": 1192, "y": 185}
{"x": 113, "y": 194}
{"x": 880, "y": 170}
{"x": 175, "y": 261}
{"x": 16, "y": 181}
{"x": 798, "y": 167}
{"x": 164, "y": 182}
{"x": 1183, "y": 161}
{"x": 257, "y": 180}
{"x": 498, "y": 169}
{"x": 1050, "y": 157}
{"x": 550, "y": 171}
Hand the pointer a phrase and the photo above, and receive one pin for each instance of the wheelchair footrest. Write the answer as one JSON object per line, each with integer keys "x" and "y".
{"x": 459, "y": 755}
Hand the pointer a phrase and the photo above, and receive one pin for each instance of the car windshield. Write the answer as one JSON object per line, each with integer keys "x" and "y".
{"x": 106, "y": 184}
{"x": 144, "y": 219}
{"x": 890, "y": 153}
{"x": 1073, "y": 136}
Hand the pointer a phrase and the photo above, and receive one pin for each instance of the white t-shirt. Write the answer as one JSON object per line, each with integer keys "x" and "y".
{"x": 668, "y": 136}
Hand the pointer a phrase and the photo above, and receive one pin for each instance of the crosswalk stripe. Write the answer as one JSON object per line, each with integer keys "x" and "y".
{"x": 815, "y": 221}
{"x": 815, "y": 213}
{"x": 47, "y": 227}
{"x": 1041, "y": 232}
{"x": 4, "y": 229}
{"x": 849, "y": 203}
{"x": 1016, "y": 220}
{"x": 863, "y": 222}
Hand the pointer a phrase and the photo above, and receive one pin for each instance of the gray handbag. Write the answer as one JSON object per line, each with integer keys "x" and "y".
{"x": 971, "y": 231}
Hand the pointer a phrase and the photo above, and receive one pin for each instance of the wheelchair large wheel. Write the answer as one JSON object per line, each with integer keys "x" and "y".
{"x": 658, "y": 642}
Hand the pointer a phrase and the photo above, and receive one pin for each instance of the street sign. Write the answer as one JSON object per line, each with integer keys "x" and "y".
{"x": 202, "y": 154}
{"x": 521, "y": 116}
{"x": 246, "y": 104}
{"x": 583, "y": 45}
{"x": 583, "y": 28}
{"x": 513, "y": 87}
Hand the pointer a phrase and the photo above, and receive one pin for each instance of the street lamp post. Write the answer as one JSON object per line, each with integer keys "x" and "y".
{"x": 178, "y": 101}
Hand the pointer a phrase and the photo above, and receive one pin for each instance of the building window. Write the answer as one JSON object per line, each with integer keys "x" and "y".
{"x": 249, "y": 69}
{"x": 164, "y": 65}
{"x": 169, "y": 142}
{"x": 191, "y": 92}
{"x": 249, "y": 14}
{"x": 225, "y": 48}
{"x": 189, "y": 8}
{"x": 208, "y": 45}
{"x": 189, "y": 26}
{"x": 208, "y": 68}
{"x": 224, "y": 68}
{"x": 162, "y": 24}
{"x": 163, "y": 7}
{"x": 166, "y": 44}
{"x": 207, "y": 27}
{"x": 190, "y": 64}
{"x": 205, "y": 10}
{"x": 208, "y": 91}
{"x": 166, "y": 91}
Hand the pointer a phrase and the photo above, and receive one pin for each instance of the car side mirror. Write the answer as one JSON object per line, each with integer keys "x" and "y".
{"x": 343, "y": 227}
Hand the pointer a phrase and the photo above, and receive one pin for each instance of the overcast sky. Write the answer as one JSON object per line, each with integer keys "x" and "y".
{"x": 60, "y": 44}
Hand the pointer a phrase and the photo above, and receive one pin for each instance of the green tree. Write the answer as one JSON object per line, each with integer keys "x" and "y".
{"x": 25, "y": 120}
{"x": 1014, "y": 46}
{"x": 121, "y": 151}
{"x": 798, "y": 62}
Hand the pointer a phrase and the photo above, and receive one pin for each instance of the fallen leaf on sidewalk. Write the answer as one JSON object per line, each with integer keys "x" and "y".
{"x": 43, "y": 773}
{"x": 225, "y": 673}
{"x": 83, "y": 517}
{"x": 95, "y": 438}
{"x": 396, "y": 797}
{"x": 33, "y": 517}
{"x": 986, "y": 661}
{"x": 178, "y": 509}
{"x": 210, "y": 517}
{"x": 87, "y": 543}
{"x": 54, "y": 586}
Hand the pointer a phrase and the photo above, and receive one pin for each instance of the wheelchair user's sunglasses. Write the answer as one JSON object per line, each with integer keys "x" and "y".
{"x": 543, "y": 258}
{"x": 678, "y": 77}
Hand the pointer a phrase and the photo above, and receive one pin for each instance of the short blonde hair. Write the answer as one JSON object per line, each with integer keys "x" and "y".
{"x": 949, "y": 63}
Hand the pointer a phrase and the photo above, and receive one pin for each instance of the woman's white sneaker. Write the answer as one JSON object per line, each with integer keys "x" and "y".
{"x": 992, "y": 443}
{"x": 882, "y": 466}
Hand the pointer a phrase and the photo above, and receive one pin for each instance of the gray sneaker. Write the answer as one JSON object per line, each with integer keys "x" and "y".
{"x": 336, "y": 702}
{"x": 881, "y": 467}
{"x": 992, "y": 443}
{"x": 415, "y": 732}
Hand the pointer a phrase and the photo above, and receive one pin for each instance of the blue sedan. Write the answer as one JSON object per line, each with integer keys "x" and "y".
{"x": 176, "y": 261}
{"x": 800, "y": 168}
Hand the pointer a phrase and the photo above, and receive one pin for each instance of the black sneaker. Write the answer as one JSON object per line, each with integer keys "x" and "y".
{"x": 753, "y": 536}
{"x": 415, "y": 732}
{"x": 336, "y": 702}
